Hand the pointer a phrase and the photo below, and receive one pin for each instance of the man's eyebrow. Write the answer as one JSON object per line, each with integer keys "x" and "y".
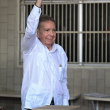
{"x": 46, "y": 28}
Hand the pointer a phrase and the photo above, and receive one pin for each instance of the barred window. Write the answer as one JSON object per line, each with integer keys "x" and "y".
{"x": 82, "y": 29}
{"x": 96, "y": 32}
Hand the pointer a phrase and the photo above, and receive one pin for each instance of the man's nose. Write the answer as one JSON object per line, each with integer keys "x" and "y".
{"x": 51, "y": 32}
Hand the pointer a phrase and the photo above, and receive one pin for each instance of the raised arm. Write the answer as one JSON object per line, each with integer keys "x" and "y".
{"x": 29, "y": 39}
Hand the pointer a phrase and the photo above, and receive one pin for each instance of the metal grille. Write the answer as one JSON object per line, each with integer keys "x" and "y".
{"x": 96, "y": 37}
{"x": 82, "y": 29}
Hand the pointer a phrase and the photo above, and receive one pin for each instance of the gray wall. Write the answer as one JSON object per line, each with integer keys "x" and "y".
{"x": 10, "y": 75}
{"x": 80, "y": 80}
{"x": 88, "y": 80}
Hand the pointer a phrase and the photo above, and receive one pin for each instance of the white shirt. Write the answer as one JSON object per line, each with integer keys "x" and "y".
{"x": 44, "y": 71}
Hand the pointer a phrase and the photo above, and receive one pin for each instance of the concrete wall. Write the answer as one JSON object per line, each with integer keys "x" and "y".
{"x": 10, "y": 75}
{"x": 82, "y": 80}
{"x": 88, "y": 80}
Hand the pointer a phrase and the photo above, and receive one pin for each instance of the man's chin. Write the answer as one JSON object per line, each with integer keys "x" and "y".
{"x": 50, "y": 43}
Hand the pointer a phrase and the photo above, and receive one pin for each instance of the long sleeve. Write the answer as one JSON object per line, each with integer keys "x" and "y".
{"x": 29, "y": 39}
{"x": 65, "y": 89}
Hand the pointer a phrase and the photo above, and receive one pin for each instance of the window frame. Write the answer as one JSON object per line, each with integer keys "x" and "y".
{"x": 80, "y": 35}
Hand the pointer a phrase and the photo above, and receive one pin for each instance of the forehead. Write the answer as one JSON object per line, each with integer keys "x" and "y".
{"x": 48, "y": 24}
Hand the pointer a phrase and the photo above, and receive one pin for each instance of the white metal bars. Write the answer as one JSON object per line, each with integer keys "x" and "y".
{"x": 96, "y": 37}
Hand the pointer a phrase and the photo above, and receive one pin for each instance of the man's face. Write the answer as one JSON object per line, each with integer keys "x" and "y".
{"x": 47, "y": 33}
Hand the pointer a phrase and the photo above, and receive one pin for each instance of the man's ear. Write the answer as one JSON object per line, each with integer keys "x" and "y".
{"x": 37, "y": 33}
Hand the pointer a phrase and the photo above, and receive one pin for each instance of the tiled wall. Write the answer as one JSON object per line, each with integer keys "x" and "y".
{"x": 10, "y": 75}
{"x": 85, "y": 80}
{"x": 79, "y": 80}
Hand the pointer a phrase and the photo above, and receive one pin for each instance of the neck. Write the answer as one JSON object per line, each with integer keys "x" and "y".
{"x": 49, "y": 47}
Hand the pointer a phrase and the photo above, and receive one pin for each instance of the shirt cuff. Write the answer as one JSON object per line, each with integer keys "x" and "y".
{"x": 65, "y": 102}
{"x": 36, "y": 11}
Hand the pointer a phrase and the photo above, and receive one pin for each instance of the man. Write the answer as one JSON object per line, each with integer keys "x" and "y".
{"x": 44, "y": 63}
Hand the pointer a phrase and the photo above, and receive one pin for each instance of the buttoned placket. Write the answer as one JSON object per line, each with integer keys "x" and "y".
{"x": 52, "y": 66}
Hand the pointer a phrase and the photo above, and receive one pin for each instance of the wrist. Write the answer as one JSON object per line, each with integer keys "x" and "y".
{"x": 38, "y": 3}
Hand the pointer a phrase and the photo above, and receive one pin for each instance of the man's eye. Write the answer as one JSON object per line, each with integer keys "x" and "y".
{"x": 46, "y": 30}
{"x": 54, "y": 30}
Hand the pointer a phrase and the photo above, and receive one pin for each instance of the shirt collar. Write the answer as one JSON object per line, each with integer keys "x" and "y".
{"x": 54, "y": 48}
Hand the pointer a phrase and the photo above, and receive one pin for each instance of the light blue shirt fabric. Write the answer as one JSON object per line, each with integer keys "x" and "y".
{"x": 44, "y": 71}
